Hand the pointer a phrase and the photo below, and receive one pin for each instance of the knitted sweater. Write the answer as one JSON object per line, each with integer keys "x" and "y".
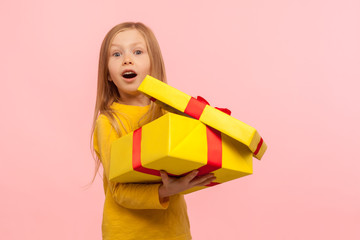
{"x": 133, "y": 210}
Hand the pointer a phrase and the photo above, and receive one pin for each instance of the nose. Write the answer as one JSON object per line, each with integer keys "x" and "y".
{"x": 127, "y": 60}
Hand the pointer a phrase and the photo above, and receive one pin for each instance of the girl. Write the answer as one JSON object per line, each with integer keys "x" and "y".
{"x": 128, "y": 53}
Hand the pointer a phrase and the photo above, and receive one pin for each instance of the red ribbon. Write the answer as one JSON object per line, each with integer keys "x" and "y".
{"x": 136, "y": 155}
{"x": 258, "y": 147}
{"x": 196, "y": 107}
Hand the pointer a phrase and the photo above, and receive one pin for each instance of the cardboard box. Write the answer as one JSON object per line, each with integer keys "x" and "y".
{"x": 178, "y": 145}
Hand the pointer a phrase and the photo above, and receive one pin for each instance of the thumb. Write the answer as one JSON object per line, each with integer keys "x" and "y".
{"x": 164, "y": 176}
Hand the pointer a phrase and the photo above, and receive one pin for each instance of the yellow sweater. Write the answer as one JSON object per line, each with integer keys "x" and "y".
{"x": 133, "y": 211}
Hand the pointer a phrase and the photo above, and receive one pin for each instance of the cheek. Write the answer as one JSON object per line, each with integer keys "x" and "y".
{"x": 148, "y": 66}
{"x": 148, "y": 69}
{"x": 111, "y": 69}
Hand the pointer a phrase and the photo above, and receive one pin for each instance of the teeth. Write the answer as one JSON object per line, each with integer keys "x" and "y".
{"x": 126, "y": 73}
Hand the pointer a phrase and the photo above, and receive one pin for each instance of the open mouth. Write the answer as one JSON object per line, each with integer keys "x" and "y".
{"x": 129, "y": 74}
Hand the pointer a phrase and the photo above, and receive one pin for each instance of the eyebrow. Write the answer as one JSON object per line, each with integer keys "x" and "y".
{"x": 118, "y": 45}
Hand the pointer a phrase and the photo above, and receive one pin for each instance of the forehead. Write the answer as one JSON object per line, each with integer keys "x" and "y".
{"x": 128, "y": 37}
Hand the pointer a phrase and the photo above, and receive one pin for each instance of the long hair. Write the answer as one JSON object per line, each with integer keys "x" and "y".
{"x": 107, "y": 91}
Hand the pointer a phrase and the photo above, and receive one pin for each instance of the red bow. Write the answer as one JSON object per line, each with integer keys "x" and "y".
{"x": 197, "y": 105}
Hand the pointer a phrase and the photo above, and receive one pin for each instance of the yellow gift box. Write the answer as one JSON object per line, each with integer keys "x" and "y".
{"x": 199, "y": 109}
{"x": 178, "y": 145}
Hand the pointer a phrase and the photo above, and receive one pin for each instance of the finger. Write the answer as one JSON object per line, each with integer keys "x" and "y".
{"x": 190, "y": 176}
{"x": 206, "y": 182}
{"x": 201, "y": 179}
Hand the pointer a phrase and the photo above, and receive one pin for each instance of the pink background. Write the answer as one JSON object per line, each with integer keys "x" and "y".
{"x": 288, "y": 68}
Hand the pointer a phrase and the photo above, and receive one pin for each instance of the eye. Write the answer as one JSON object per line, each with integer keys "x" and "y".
{"x": 138, "y": 52}
{"x": 116, "y": 54}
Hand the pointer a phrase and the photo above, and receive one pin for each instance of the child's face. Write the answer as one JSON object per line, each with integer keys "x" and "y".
{"x": 129, "y": 62}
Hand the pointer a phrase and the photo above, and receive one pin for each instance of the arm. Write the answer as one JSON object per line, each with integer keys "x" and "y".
{"x": 134, "y": 196}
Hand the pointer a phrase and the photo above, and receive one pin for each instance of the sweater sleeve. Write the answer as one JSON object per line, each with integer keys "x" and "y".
{"x": 129, "y": 195}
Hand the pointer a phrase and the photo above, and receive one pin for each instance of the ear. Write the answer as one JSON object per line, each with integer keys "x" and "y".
{"x": 109, "y": 79}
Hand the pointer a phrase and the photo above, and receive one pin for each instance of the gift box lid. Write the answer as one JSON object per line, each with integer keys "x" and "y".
{"x": 164, "y": 94}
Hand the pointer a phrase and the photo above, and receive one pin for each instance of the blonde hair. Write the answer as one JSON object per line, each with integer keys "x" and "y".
{"x": 107, "y": 92}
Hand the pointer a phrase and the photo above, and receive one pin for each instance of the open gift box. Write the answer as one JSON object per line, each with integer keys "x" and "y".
{"x": 166, "y": 95}
{"x": 178, "y": 145}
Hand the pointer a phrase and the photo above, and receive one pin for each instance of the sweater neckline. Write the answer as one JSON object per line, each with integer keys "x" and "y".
{"x": 116, "y": 104}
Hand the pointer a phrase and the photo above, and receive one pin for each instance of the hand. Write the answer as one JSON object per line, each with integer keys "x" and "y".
{"x": 171, "y": 185}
